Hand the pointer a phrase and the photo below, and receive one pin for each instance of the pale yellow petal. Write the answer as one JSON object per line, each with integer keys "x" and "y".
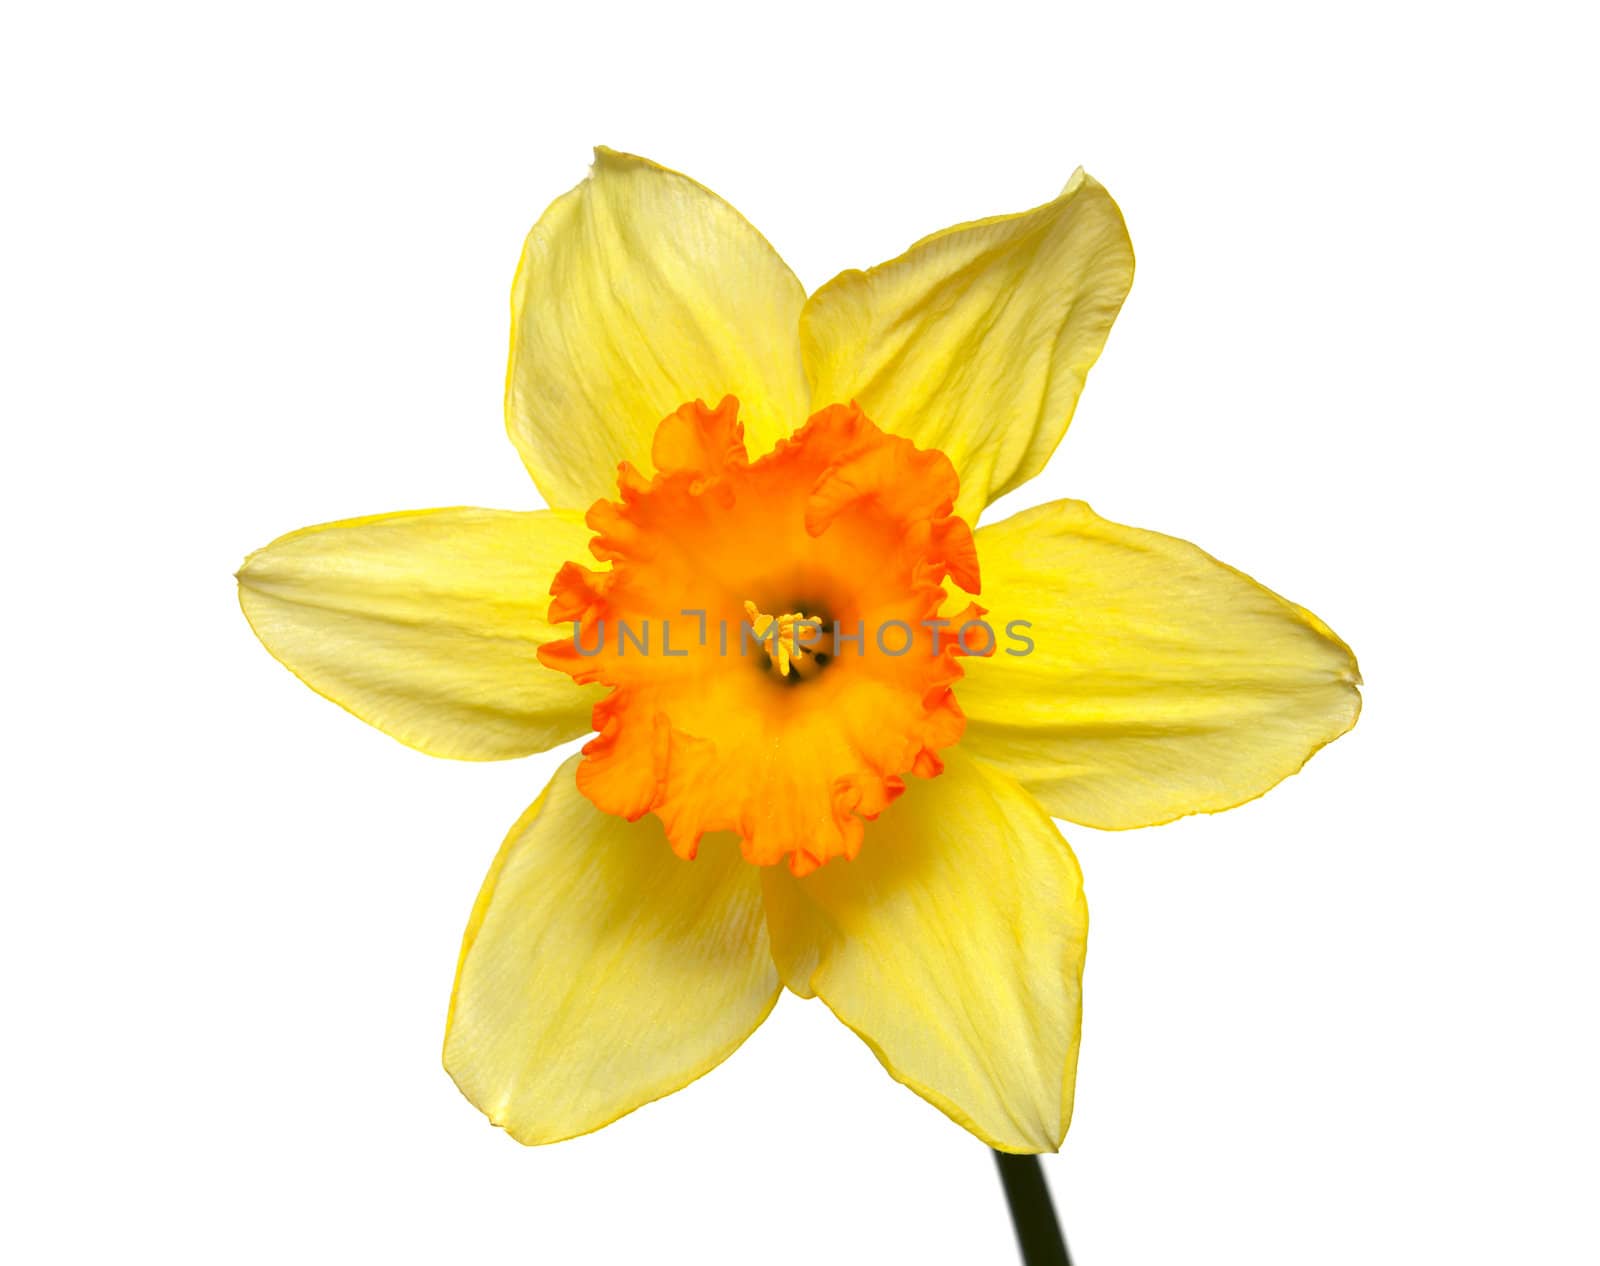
{"x": 427, "y": 624}
{"x": 640, "y": 291}
{"x": 1160, "y": 681}
{"x": 977, "y": 340}
{"x": 954, "y": 946}
{"x": 601, "y": 971}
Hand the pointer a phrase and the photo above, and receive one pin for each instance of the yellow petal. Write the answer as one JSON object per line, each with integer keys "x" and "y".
{"x": 977, "y": 340}
{"x": 953, "y": 945}
{"x": 1161, "y": 682}
{"x": 640, "y": 291}
{"x": 427, "y": 624}
{"x": 600, "y": 971}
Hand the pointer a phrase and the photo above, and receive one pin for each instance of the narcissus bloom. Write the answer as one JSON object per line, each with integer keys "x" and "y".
{"x": 834, "y": 721}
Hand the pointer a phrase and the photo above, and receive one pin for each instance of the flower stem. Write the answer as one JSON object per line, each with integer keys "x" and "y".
{"x": 1032, "y": 1214}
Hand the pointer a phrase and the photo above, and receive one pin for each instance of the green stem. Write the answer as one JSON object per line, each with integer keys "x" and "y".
{"x": 1032, "y": 1214}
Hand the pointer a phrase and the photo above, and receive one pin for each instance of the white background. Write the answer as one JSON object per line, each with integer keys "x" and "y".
{"x": 254, "y": 270}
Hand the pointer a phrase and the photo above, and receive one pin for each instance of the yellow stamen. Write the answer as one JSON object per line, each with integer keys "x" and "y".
{"x": 793, "y": 644}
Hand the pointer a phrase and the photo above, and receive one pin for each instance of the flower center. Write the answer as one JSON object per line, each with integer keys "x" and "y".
{"x": 795, "y": 644}
{"x": 819, "y": 565}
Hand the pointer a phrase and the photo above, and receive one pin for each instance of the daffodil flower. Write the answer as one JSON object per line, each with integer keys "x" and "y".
{"x": 860, "y": 817}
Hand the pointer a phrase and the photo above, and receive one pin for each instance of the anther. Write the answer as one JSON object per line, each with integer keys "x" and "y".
{"x": 794, "y": 643}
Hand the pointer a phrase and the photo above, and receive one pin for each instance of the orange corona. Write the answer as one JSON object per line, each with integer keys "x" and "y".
{"x": 722, "y": 717}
